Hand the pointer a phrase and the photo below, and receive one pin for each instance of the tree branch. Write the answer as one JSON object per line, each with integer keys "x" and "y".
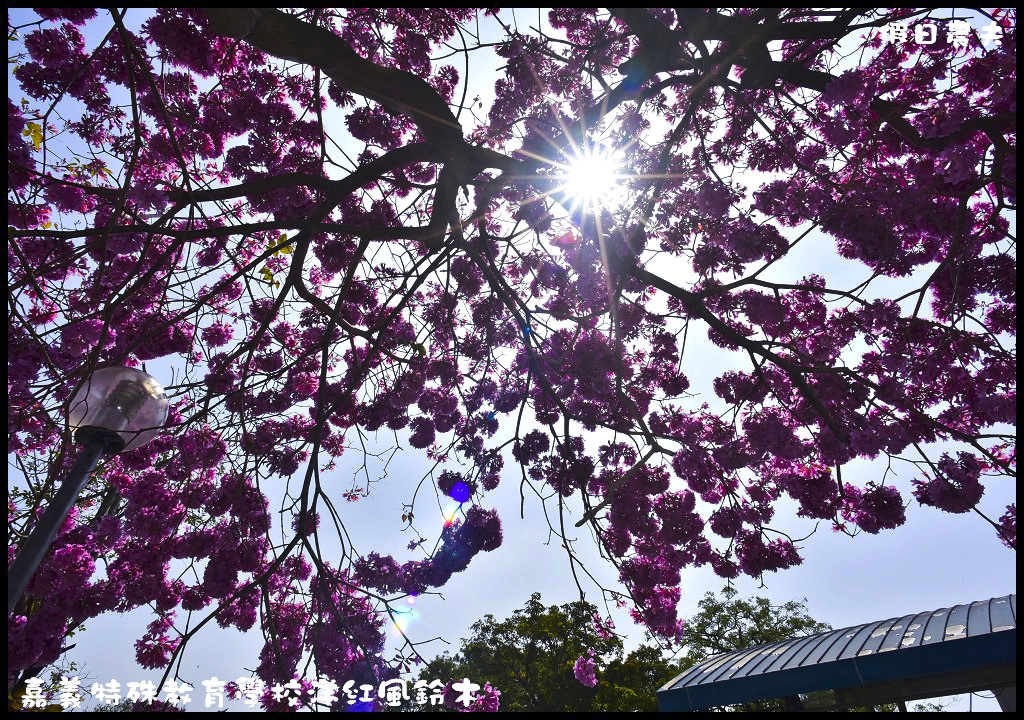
{"x": 287, "y": 37}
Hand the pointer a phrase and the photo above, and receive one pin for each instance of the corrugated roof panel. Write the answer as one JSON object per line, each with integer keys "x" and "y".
{"x": 850, "y": 647}
{"x": 778, "y": 651}
{"x": 895, "y": 635}
{"x": 725, "y": 668}
{"x": 739, "y": 661}
{"x": 956, "y": 623}
{"x": 978, "y": 622}
{"x": 713, "y": 666}
{"x": 682, "y": 680}
{"x": 761, "y": 661}
{"x": 861, "y": 641}
{"x": 935, "y": 630}
{"x": 915, "y": 630}
{"x": 1002, "y": 615}
{"x": 875, "y": 639}
{"x": 836, "y": 640}
{"x": 813, "y": 647}
{"x": 790, "y": 657}
{"x": 705, "y": 670}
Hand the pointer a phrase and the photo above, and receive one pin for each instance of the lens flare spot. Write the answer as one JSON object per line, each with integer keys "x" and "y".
{"x": 449, "y": 514}
{"x": 460, "y": 492}
{"x": 402, "y": 620}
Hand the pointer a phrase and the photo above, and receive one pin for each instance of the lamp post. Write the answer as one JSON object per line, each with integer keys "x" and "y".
{"x": 117, "y": 409}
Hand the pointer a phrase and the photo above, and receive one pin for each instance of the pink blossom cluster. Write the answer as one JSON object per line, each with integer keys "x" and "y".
{"x": 956, "y": 488}
{"x": 584, "y": 668}
{"x": 488, "y": 699}
{"x": 1008, "y": 527}
{"x": 604, "y": 627}
{"x": 461, "y": 541}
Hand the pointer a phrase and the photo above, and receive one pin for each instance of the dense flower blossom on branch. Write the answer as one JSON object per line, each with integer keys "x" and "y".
{"x": 584, "y": 668}
{"x": 347, "y": 241}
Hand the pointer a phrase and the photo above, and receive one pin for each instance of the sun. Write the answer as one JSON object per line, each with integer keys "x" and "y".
{"x": 593, "y": 177}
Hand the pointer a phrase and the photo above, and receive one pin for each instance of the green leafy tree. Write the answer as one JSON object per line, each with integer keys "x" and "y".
{"x": 629, "y": 684}
{"x": 725, "y": 623}
{"x": 530, "y": 658}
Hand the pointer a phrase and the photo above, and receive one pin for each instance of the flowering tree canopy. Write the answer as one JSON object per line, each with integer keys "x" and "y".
{"x": 347, "y": 238}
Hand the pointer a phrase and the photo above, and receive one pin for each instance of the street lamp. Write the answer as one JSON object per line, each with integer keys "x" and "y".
{"x": 117, "y": 409}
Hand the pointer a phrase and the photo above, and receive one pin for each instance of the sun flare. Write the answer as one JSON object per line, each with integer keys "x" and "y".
{"x": 593, "y": 177}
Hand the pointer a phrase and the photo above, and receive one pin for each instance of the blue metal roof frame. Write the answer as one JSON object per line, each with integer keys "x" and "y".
{"x": 946, "y": 651}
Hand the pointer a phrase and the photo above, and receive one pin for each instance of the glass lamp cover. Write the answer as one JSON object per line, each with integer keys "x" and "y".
{"x": 122, "y": 399}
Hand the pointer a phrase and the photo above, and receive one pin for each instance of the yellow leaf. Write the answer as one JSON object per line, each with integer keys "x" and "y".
{"x": 34, "y": 131}
{"x": 47, "y": 225}
{"x": 283, "y": 237}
